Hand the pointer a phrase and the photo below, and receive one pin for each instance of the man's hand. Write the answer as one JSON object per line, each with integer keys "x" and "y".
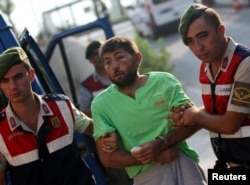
{"x": 151, "y": 152}
{"x": 110, "y": 142}
{"x": 147, "y": 152}
{"x": 183, "y": 116}
{"x": 177, "y": 115}
{"x": 167, "y": 155}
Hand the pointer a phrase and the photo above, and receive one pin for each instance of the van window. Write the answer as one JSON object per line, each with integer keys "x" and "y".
{"x": 69, "y": 63}
{"x": 68, "y": 16}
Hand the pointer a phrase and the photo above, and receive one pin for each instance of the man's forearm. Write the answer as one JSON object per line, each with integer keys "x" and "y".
{"x": 180, "y": 134}
{"x": 121, "y": 159}
{"x": 118, "y": 159}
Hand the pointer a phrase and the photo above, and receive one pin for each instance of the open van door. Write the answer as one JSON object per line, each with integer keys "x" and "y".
{"x": 66, "y": 54}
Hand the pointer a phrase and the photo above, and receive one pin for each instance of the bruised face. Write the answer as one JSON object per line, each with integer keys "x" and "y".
{"x": 206, "y": 41}
{"x": 121, "y": 66}
{"x": 16, "y": 83}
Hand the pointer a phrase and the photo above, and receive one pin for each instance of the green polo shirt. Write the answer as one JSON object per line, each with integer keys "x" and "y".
{"x": 141, "y": 119}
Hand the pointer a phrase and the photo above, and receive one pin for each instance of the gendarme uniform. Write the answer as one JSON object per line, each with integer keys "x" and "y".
{"x": 47, "y": 156}
{"x": 94, "y": 83}
{"x": 44, "y": 157}
{"x": 228, "y": 92}
{"x": 91, "y": 87}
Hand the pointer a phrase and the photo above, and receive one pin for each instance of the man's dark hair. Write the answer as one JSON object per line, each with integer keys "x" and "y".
{"x": 119, "y": 42}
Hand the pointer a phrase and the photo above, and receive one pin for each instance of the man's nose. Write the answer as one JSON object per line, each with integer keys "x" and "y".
{"x": 199, "y": 45}
{"x": 12, "y": 84}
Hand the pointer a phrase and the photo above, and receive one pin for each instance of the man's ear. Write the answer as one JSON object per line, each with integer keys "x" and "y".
{"x": 222, "y": 29}
{"x": 32, "y": 74}
{"x": 138, "y": 57}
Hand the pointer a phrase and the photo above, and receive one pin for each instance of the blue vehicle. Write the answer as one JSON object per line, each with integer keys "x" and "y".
{"x": 56, "y": 61}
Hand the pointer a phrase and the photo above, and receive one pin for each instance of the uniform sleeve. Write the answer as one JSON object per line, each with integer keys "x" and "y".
{"x": 3, "y": 162}
{"x": 240, "y": 95}
{"x": 82, "y": 121}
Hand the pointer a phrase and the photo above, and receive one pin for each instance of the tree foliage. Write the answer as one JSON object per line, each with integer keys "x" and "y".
{"x": 153, "y": 59}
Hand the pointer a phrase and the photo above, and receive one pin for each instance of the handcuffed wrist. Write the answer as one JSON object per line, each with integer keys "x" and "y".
{"x": 163, "y": 140}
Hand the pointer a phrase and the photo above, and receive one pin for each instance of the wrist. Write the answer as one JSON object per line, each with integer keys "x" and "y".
{"x": 163, "y": 141}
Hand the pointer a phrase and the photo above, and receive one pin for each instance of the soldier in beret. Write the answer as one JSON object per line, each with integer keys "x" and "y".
{"x": 36, "y": 132}
{"x": 224, "y": 77}
{"x": 95, "y": 82}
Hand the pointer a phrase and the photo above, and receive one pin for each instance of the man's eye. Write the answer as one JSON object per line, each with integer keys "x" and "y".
{"x": 189, "y": 41}
{"x": 20, "y": 75}
{"x": 202, "y": 36}
{"x": 107, "y": 63}
{"x": 3, "y": 81}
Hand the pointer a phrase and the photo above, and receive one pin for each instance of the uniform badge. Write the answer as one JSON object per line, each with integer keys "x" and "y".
{"x": 241, "y": 94}
{"x": 55, "y": 122}
{"x": 225, "y": 62}
{"x": 12, "y": 122}
{"x": 45, "y": 108}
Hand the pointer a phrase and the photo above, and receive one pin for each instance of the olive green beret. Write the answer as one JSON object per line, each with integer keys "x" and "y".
{"x": 95, "y": 44}
{"x": 11, "y": 57}
{"x": 192, "y": 12}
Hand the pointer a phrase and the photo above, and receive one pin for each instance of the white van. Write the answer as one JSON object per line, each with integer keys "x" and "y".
{"x": 150, "y": 16}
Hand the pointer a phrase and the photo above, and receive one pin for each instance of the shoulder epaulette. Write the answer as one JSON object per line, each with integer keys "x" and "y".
{"x": 242, "y": 50}
{"x": 48, "y": 97}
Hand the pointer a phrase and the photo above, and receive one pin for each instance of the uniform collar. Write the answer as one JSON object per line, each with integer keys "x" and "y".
{"x": 15, "y": 122}
{"x": 96, "y": 77}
